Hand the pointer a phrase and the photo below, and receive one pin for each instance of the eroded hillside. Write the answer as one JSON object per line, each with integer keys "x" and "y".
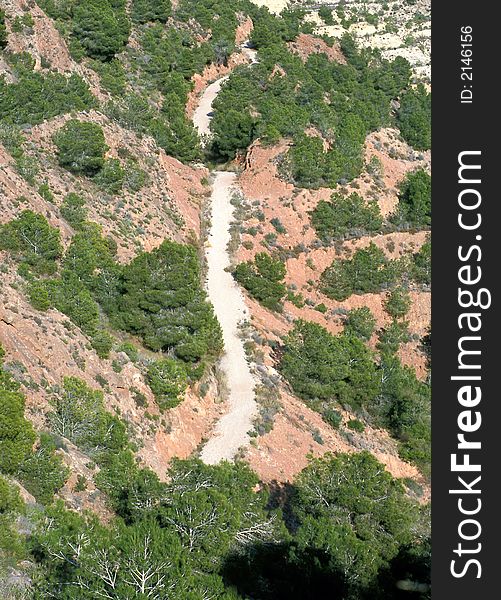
{"x": 111, "y": 351}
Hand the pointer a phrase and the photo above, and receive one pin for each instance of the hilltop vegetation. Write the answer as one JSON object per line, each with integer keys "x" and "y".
{"x": 282, "y": 96}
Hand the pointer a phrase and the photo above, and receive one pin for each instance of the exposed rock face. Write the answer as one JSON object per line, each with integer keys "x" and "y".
{"x": 168, "y": 205}
{"x": 43, "y": 348}
{"x": 305, "y": 45}
{"x": 46, "y": 45}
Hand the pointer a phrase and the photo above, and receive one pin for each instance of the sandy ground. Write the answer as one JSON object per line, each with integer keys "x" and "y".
{"x": 202, "y": 114}
{"x": 231, "y": 430}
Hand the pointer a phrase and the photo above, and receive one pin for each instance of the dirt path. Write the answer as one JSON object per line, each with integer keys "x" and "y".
{"x": 202, "y": 114}
{"x": 231, "y": 431}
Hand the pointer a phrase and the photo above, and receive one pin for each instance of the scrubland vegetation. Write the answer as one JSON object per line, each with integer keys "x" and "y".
{"x": 345, "y": 526}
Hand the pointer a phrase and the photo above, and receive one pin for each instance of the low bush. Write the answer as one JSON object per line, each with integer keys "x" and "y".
{"x": 81, "y": 147}
{"x": 35, "y": 97}
{"x": 73, "y": 210}
{"x": 111, "y": 176}
{"x": 80, "y": 416}
{"x": 398, "y": 303}
{"x": 263, "y": 278}
{"x": 43, "y": 472}
{"x": 414, "y": 117}
{"x": 414, "y": 201}
{"x": 33, "y": 241}
{"x": 323, "y": 367}
{"x": 345, "y": 215}
{"x": 167, "y": 379}
{"x": 360, "y": 322}
{"x": 368, "y": 271}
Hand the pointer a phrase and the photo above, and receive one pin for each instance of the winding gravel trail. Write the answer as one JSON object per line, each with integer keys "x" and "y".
{"x": 231, "y": 431}
{"x": 202, "y": 114}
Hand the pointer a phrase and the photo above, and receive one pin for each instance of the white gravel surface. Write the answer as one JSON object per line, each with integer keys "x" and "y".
{"x": 231, "y": 431}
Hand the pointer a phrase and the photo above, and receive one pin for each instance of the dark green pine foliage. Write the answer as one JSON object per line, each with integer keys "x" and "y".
{"x": 161, "y": 299}
{"x": 345, "y": 215}
{"x": 101, "y": 27}
{"x": 35, "y": 97}
{"x": 80, "y": 147}
{"x": 368, "y": 271}
{"x": 353, "y": 519}
{"x": 322, "y": 367}
{"x": 3, "y": 29}
{"x": 144, "y": 11}
{"x": 33, "y": 241}
{"x": 263, "y": 278}
{"x": 414, "y": 117}
{"x": 414, "y": 201}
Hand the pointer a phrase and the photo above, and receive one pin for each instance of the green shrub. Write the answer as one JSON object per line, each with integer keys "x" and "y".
{"x": 130, "y": 350}
{"x": 356, "y": 425}
{"x": 325, "y": 13}
{"x": 81, "y": 147}
{"x": 320, "y": 366}
{"x": 390, "y": 338}
{"x": 35, "y": 97}
{"x": 102, "y": 342}
{"x": 360, "y": 322}
{"x": 73, "y": 210}
{"x": 333, "y": 417}
{"x": 353, "y": 517}
{"x": 405, "y": 407}
{"x": 111, "y": 176}
{"x": 101, "y": 27}
{"x": 232, "y": 134}
{"x": 33, "y": 241}
{"x": 43, "y": 472}
{"x": 12, "y": 139}
{"x": 345, "y": 215}
{"x": 3, "y": 29}
{"x": 88, "y": 253}
{"x": 306, "y": 161}
{"x": 79, "y": 415}
{"x": 10, "y": 500}
{"x": 28, "y": 167}
{"x": 16, "y": 433}
{"x": 39, "y": 296}
{"x": 398, "y": 303}
{"x": 414, "y": 200}
{"x": 134, "y": 177}
{"x": 160, "y": 298}
{"x": 74, "y": 300}
{"x": 45, "y": 192}
{"x": 278, "y": 225}
{"x": 112, "y": 76}
{"x": 144, "y": 11}
{"x": 263, "y": 278}
{"x": 167, "y": 379}
{"x": 420, "y": 270}
{"x": 368, "y": 271}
